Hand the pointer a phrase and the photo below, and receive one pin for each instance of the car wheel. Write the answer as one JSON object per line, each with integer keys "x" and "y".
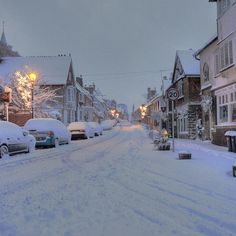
{"x": 30, "y": 148}
{"x": 56, "y": 143}
{"x": 4, "y": 151}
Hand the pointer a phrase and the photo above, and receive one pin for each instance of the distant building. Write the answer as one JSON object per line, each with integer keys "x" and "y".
{"x": 151, "y": 93}
{"x": 123, "y": 111}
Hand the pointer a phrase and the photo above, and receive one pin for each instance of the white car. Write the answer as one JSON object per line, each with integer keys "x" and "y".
{"x": 98, "y": 129}
{"x": 48, "y": 132}
{"x": 13, "y": 139}
{"x": 80, "y": 129}
{"x": 107, "y": 124}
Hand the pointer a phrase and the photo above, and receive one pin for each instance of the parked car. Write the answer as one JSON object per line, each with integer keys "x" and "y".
{"x": 80, "y": 129}
{"x": 48, "y": 132}
{"x": 97, "y": 128}
{"x": 13, "y": 139}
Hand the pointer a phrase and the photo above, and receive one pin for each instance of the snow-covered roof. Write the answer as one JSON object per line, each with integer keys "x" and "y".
{"x": 52, "y": 69}
{"x": 209, "y": 42}
{"x": 82, "y": 90}
{"x": 190, "y": 64}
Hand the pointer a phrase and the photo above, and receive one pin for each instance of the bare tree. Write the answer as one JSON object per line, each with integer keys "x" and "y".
{"x": 27, "y": 93}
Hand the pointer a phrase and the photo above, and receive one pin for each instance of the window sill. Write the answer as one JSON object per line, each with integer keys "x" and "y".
{"x": 226, "y": 124}
{"x": 227, "y": 67}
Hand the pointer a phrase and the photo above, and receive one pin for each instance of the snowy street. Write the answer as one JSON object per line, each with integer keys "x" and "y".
{"x": 116, "y": 184}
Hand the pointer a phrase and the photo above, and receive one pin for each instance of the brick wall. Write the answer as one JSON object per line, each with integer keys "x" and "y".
{"x": 219, "y": 136}
{"x": 19, "y": 118}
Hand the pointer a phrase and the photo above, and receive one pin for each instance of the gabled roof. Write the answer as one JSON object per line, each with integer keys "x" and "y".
{"x": 190, "y": 64}
{"x": 83, "y": 90}
{"x": 208, "y": 43}
{"x": 52, "y": 69}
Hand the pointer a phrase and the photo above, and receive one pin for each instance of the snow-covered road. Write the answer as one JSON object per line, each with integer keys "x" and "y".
{"x": 117, "y": 185}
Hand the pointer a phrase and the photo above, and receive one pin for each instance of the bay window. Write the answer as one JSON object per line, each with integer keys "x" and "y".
{"x": 226, "y": 105}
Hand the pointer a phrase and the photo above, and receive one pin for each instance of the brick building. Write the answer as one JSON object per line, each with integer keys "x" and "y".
{"x": 186, "y": 79}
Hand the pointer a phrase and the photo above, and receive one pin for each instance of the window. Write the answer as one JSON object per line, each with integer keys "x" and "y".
{"x": 181, "y": 88}
{"x": 70, "y": 94}
{"x": 231, "y": 61}
{"x": 226, "y": 105}
{"x": 217, "y": 64}
{"x": 183, "y": 124}
{"x": 226, "y": 55}
{"x": 70, "y": 116}
{"x": 233, "y": 112}
{"x": 205, "y": 71}
{"x": 223, "y": 114}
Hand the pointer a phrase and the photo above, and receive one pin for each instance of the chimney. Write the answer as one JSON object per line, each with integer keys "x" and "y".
{"x": 79, "y": 80}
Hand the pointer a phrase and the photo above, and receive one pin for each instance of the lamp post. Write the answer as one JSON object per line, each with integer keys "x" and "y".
{"x": 143, "y": 110}
{"x": 32, "y": 77}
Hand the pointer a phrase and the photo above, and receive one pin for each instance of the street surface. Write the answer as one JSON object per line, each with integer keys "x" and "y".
{"x": 116, "y": 184}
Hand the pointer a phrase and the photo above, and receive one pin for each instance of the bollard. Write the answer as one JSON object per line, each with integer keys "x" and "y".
{"x": 234, "y": 170}
{"x": 184, "y": 156}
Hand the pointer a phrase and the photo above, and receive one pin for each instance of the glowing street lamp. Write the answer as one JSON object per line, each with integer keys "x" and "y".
{"x": 32, "y": 78}
{"x": 113, "y": 112}
{"x": 143, "y": 110}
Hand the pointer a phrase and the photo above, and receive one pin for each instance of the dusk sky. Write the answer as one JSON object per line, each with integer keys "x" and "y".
{"x": 120, "y": 45}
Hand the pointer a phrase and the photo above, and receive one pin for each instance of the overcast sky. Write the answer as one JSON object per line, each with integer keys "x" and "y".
{"x": 120, "y": 45}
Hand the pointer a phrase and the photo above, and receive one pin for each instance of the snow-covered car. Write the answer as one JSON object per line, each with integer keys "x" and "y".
{"x": 48, "y": 132}
{"x": 97, "y": 128}
{"x": 80, "y": 129}
{"x": 13, "y": 139}
{"x": 107, "y": 124}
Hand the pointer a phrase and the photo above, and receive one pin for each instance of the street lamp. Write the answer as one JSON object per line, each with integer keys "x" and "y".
{"x": 32, "y": 77}
{"x": 143, "y": 110}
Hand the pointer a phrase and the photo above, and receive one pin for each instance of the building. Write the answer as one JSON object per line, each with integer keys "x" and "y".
{"x": 55, "y": 72}
{"x": 186, "y": 80}
{"x": 151, "y": 93}
{"x": 224, "y": 82}
{"x": 208, "y": 101}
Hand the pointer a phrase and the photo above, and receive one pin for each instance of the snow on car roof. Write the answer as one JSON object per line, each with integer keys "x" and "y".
{"x": 41, "y": 124}
{"x": 77, "y": 125}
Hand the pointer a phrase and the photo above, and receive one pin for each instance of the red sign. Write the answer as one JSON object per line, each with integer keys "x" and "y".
{"x": 5, "y": 97}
